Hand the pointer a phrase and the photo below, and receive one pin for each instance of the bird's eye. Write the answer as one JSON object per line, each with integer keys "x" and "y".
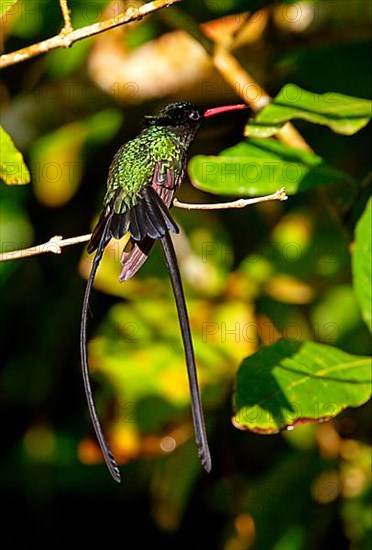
{"x": 194, "y": 115}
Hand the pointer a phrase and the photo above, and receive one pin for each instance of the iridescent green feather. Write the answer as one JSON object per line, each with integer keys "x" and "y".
{"x": 133, "y": 165}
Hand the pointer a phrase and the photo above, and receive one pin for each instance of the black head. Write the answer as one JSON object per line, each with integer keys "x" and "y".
{"x": 185, "y": 118}
{"x": 182, "y": 114}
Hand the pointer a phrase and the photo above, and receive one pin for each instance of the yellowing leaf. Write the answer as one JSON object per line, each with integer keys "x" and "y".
{"x": 13, "y": 170}
{"x": 57, "y": 164}
{"x": 5, "y": 6}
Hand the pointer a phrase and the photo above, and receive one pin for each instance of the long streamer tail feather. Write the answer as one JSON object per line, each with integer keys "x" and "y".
{"x": 147, "y": 221}
{"x": 107, "y": 454}
{"x": 196, "y": 406}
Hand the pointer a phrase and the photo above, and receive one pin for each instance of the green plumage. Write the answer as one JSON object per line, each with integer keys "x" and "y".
{"x": 133, "y": 165}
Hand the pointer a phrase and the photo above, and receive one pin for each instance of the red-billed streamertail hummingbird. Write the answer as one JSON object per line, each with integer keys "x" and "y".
{"x": 143, "y": 177}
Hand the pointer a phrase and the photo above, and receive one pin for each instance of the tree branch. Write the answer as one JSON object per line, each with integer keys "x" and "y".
{"x": 54, "y": 245}
{"x": 68, "y": 35}
{"x": 279, "y": 195}
{"x": 66, "y": 17}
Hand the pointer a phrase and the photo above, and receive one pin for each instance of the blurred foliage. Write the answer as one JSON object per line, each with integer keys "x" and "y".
{"x": 361, "y": 265}
{"x": 5, "y": 6}
{"x": 298, "y": 270}
{"x": 13, "y": 170}
{"x": 72, "y": 144}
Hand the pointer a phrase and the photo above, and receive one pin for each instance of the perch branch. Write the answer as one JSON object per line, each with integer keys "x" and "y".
{"x": 68, "y": 35}
{"x": 54, "y": 245}
{"x": 279, "y": 195}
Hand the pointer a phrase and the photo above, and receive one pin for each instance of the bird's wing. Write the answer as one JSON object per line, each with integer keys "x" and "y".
{"x": 165, "y": 182}
{"x": 136, "y": 219}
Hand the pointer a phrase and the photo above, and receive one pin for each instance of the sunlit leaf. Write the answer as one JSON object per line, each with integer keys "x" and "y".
{"x": 262, "y": 166}
{"x": 13, "y": 170}
{"x": 343, "y": 114}
{"x": 57, "y": 164}
{"x": 362, "y": 264}
{"x": 5, "y": 6}
{"x": 290, "y": 383}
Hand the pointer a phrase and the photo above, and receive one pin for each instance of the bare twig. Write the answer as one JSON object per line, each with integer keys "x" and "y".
{"x": 66, "y": 38}
{"x": 279, "y": 195}
{"x": 54, "y": 245}
{"x": 66, "y": 17}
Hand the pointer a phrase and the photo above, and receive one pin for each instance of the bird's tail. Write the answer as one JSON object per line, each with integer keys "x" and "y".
{"x": 137, "y": 250}
{"x": 108, "y": 456}
{"x": 196, "y": 406}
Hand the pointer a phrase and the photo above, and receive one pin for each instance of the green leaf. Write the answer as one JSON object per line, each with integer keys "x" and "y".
{"x": 261, "y": 166}
{"x": 13, "y": 170}
{"x": 5, "y": 6}
{"x": 290, "y": 383}
{"x": 342, "y": 113}
{"x": 362, "y": 262}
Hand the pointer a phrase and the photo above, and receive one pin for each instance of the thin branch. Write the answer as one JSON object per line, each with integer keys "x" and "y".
{"x": 54, "y": 245}
{"x": 66, "y": 17}
{"x": 66, "y": 38}
{"x": 279, "y": 195}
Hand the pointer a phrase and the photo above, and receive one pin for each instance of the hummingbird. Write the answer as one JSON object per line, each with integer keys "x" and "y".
{"x": 142, "y": 179}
